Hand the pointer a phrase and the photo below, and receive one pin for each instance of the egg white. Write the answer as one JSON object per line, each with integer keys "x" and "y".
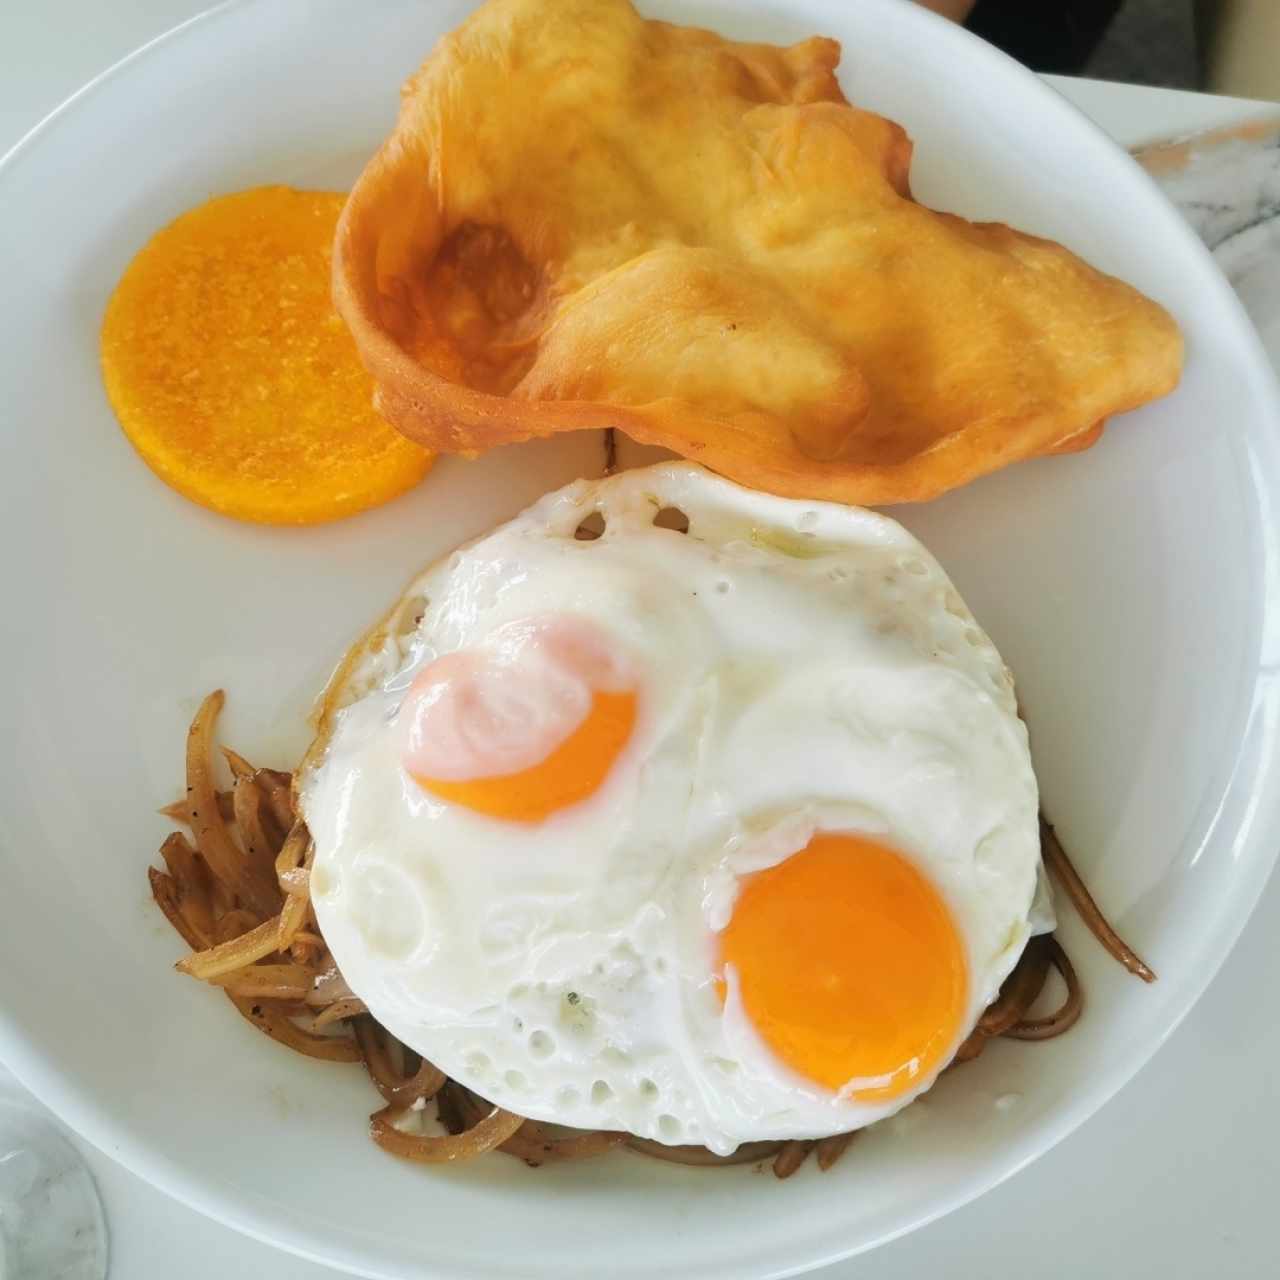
{"x": 805, "y": 667}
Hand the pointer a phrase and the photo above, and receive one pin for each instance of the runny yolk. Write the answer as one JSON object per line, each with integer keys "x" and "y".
{"x": 849, "y": 965}
{"x": 572, "y": 772}
{"x": 523, "y": 724}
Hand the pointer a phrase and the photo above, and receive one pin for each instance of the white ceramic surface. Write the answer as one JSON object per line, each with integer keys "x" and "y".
{"x": 1129, "y": 587}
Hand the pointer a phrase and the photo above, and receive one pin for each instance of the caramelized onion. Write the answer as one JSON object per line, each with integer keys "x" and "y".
{"x": 274, "y": 1022}
{"x": 970, "y": 1048}
{"x": 180, "y": 810}
{"x": 1019, "y": 991}
{"x": 165, "y": 891}
{"x": 339, "y": 1011}
{"x": 399, "y": 1090}
{"x": 225, "y": 957}
{"x": 791, "y": 1157}
{"x": 207, "y": 824}
{"x": 293, "y": 873}
{"x": 1056, "y": 860}
{"x": 1063, "y": 1018}
{"x": 268, "y": 981}
{"x": 829, "y": 1150}
{"x": 258, "y": 834}
{"x": 291, "y": 857}
{"x": 484, "y": 1136}
{"x": 194, "y": 891}
{"x": 330, "y": 986}
{"x": 239, "y": 766}
{"x": 536, "y": 1144}
{"x": 277, "y": 787}
{"x": 747, "y": 1153}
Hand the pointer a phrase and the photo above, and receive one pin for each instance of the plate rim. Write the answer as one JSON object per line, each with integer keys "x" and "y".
{"x": 54, "y": 1087}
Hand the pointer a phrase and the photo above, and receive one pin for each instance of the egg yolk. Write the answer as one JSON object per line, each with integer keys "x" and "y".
{"x": 524, "y": 725}
{"x": 572, "y": 772}
{"x": 233, "y": 376}
{"x": 849, "y": 966}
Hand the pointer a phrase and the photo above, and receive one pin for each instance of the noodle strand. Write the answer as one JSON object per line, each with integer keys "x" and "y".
{"x": 1063, "y": 1018}
{"x": 490, "y": 1132}
{"x": 1056, "y": 860}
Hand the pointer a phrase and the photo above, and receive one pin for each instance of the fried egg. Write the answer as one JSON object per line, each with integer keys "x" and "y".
{"x": 708, "y": 835}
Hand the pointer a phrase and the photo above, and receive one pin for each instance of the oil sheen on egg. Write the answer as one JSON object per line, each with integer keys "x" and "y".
{"x": 711, "y": 837}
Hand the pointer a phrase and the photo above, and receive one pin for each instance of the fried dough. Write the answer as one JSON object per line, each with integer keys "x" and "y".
{"x": 586, "y": 219}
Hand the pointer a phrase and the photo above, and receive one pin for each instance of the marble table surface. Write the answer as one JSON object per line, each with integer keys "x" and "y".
{"x": 1176, "y": 1176}
{"x": 1227, "y": 184}
{"x": 51, "y": 1221}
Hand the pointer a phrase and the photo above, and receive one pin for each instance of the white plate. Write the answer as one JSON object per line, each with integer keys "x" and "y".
{"x": 1130, "y": 588}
